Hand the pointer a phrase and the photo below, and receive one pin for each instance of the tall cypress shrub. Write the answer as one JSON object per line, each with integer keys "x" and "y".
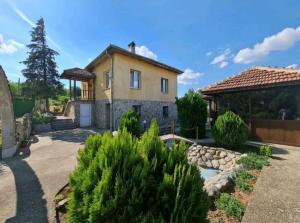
{"x": 192, "y": 113}
{"x": 131, "y": 121}
{"x": 125, "y": 179}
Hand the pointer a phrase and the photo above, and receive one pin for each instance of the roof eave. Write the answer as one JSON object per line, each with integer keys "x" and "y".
{"x": 250, "y": 88}
{"x": 113, "y": 48}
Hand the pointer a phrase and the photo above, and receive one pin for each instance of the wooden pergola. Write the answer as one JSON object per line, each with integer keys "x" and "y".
{"x": 78, "y": 74}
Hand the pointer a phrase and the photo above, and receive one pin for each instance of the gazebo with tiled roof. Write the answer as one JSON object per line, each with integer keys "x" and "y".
{"x": 255, "y": 79}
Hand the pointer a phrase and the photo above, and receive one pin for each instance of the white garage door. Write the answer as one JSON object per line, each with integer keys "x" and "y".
{"x": 85, "y": 115}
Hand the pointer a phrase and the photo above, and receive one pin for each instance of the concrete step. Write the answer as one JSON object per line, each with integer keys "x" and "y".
{"x": 63, "y": 124}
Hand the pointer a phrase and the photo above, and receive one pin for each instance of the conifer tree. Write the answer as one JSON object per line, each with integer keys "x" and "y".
{"x": 42, "y": 78}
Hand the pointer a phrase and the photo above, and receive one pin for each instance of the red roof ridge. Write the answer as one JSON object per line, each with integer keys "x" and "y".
{"x": 284, "y": 69}
{"x": 256, "y": 77}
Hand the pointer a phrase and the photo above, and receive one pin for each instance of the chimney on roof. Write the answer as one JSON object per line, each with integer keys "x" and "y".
{"x": 131, "y": 47}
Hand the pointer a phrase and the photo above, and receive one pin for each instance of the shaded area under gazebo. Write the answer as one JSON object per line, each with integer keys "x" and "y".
{"x": 87, "y": 83}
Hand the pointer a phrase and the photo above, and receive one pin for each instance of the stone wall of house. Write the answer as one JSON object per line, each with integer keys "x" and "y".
{"x": 149, "y": 110}
{"x": 73, "y": 111}
{"x": 211, "y": 157}
{"x": 101, "y": 115}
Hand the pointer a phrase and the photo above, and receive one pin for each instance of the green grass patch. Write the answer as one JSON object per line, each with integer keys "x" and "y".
{"x": 242, "y": 180}
{"x": 230, "y": 205}
{"x": 253, "y": 161}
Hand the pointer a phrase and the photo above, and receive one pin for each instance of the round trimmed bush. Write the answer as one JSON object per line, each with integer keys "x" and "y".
{"x": 230, "y": 131}
{"x": 125, "y": 179}
{"x": 131, "y": 121}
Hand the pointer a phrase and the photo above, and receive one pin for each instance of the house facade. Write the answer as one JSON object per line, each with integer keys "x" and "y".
{"x": 119, "y": 80}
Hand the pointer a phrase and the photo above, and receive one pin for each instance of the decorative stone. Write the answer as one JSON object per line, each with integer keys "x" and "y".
{"x": 211, "y": 151}
{"x": 231, "y": 155}
{"x": 202, "y": 151}
{"x": 222, "y": 161}
{"x": 204, "y": 158}
{"x": 227, "y": 159}
{"x": 215, "y": 164}
{"x": 208, "y": 164}
{"x": 209, "y": 156}
{"x": 222, "y": 167}
{"x": 199, "y": 147}
{"x": 201, "y": 163}
{"x": 216, "y": 157}
{"x": 223, "y": 154}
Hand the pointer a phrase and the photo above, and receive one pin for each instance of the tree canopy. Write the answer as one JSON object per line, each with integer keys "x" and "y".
{"x": 42, "y": 78}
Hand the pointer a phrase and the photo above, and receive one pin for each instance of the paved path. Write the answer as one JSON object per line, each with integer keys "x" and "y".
{"x": 276, "y": 196}
{"x": 29, "y": 181}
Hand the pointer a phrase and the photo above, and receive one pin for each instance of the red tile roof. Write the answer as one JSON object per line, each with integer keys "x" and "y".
{"x": 255, "y": 78}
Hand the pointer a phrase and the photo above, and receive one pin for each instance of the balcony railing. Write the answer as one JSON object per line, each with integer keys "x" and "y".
{"x": 85, "y": 95}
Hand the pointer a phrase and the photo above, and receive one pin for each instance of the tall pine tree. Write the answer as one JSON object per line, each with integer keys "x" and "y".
{"x": 41, "y": 68}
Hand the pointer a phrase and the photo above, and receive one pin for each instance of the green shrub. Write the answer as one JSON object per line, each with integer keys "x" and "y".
{"x": 242, "y": 180}
{"x": 131, "y": 121}
{"x": 230, "y": 131}
{"x": 230, "y": 205}
{"x": 253, "y": 161}
{"x": 192, "y": 113}
{"x": 40, "y": 118}
{"x": 125, "y": 179}
{"x": 265, "y": 150}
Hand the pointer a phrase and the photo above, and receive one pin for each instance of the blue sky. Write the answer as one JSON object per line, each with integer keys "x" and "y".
{"x": 208, "y": 39}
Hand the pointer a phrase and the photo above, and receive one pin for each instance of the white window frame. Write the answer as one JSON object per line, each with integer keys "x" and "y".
{"x": 164, "y": 85}
{"x": 107, "y": 78}
{"x": 135, "y": 79}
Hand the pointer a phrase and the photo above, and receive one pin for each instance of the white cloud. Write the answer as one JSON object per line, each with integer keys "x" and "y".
{"x": 221, "y": 59}
{"x": 209, "y": 53}
{"x": 10, "y": 46}
{"x": 293, "y": 66}
{"x": 279, "y": 41}
{"x": 189, "y": 77}
{"x": 144, "y": 51}
{"x": 223, "y": 64}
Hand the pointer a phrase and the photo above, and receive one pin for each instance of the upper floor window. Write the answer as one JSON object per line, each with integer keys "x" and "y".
{"x": 135, "y": 79}
{"x": 107, "y": 80}
{"x": 164, "y": 85}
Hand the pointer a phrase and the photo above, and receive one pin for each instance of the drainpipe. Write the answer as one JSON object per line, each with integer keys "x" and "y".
{"x": 111, "y": 91}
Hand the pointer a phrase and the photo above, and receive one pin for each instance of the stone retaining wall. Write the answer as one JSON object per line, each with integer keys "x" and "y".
{"x": 211, "y": 157}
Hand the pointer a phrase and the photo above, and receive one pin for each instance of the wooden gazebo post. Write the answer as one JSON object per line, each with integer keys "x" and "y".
{"x": 74, "y": 90}
{"x": 70, "y": 89}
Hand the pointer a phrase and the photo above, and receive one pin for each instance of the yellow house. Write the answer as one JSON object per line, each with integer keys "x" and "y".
{"x": 118, "y": 80}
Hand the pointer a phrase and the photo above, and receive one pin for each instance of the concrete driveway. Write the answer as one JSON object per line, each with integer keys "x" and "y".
{"x": 30, "y": 180}
{"x": 276, "y": 195}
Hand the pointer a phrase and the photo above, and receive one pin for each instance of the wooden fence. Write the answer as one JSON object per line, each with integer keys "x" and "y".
{"x": 285, "y": 132}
